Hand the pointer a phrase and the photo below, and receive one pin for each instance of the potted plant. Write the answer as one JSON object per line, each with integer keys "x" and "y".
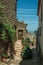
{"x": 4, "y": 56}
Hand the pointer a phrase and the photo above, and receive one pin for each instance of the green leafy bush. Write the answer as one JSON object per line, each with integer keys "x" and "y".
{"x": 26, "y": 53}
{"x": 11, "y": 31}
{"x": 4, "y": 55}
{"x": 3, "y": 35}
{"x": 26, "y": 41}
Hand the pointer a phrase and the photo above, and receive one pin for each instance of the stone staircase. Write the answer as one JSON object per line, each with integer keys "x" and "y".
{"x": 18, "y": 48}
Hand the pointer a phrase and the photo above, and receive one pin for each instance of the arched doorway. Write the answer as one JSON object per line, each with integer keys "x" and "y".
{"x": 20, "y": 34}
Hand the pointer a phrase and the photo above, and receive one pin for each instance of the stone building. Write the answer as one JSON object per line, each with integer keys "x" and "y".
{"x": 40, "y": 29}
{"x": 20, "y": 30}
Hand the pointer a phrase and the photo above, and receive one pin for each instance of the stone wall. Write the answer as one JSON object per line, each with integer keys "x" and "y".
{"x": 10, "y": 9}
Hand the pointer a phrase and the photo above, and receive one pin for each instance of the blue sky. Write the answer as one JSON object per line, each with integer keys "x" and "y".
{"x": 27, "y": 11}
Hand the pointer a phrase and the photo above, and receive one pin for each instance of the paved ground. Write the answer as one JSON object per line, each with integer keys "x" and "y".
{"x": 18, "y": 61}
{"x": 34, "y": 61}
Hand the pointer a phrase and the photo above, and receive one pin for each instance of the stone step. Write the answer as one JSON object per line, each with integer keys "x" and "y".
{"x": 18, "y": 48}
{"x": 18, "y": 53}
{"x": 18, "y": 45}
{"x": 18, "y": 56}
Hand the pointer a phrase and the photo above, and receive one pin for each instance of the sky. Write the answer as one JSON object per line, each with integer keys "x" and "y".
{"x": 27, "y": 12}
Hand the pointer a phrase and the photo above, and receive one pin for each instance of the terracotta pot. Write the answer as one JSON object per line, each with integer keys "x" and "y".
{"x": 3, "y": 59}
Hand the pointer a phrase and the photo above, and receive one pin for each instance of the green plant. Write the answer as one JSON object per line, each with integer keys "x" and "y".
{"x": 3, "y": 35}
{"x": 4, "y": 55}
{"x": 11, "y": 31}
{"x": 26, "y": 53}
{"x": 2, "y": 5}
{"x": 26, "y": 41}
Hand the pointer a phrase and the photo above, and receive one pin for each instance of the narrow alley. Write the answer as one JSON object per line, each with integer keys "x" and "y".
{"x": 21, "y": 32}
